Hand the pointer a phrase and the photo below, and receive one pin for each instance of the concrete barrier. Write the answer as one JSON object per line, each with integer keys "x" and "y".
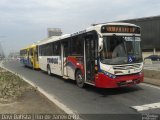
{"x": 152, "y": 77}
{"x": 156, "y": 62}
{"x": 148, "y": 61}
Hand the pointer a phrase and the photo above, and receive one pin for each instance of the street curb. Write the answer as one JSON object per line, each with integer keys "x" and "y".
{"x": 47, "y": 95}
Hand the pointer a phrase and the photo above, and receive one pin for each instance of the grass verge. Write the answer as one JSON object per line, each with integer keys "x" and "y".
{"x": 11, "y": 86}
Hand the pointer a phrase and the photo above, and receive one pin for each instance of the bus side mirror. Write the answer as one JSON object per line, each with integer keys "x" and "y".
{"x": 100, "y": 48}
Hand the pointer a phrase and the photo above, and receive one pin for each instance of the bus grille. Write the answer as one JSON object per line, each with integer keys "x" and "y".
{"x": 126, "y": 67}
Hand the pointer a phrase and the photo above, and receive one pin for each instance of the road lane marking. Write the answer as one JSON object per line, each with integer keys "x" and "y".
{"x": 147, "y": 107}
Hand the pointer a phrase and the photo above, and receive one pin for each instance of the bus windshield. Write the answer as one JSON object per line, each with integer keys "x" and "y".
{"x": 121, "y": 50}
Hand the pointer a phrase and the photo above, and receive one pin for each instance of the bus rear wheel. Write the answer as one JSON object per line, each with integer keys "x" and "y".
{"x": 79, "y": 79}
{"x": 48, "y": 70}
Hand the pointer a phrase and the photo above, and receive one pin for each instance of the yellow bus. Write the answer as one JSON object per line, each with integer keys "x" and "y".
{"x": 29, "y": 56}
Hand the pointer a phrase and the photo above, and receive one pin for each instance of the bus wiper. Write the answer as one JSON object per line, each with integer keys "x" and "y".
{"x": 134, "y": 39}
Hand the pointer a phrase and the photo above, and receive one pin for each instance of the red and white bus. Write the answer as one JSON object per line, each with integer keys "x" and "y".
{"x": 105, "y": 55}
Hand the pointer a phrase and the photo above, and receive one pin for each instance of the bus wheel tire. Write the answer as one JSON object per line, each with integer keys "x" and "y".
{"x": 48, "y": 70}
{"x": 79, "y": 79}
{"x": 33, "y": 67}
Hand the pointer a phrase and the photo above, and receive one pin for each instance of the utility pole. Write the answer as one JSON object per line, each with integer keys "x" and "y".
{"x": 1, "y": 52}
{"x": 2, "y": 56}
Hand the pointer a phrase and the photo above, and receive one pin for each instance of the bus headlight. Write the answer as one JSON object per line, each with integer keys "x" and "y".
{"x": 140, "y": 73}
{"x": 109, "y": 74}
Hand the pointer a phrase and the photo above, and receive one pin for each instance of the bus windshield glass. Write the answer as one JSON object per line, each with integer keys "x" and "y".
{"x": 121, "y": 50}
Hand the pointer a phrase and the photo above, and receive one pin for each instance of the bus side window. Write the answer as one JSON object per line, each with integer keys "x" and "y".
{"x": 93, "y": 44}
{"x": 66, "y": 48}
{"x": 57, "y": 48}
{"x": 77, "y": 46}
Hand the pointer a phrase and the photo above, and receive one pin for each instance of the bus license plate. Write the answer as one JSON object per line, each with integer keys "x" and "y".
{"x": 129, "y": 81}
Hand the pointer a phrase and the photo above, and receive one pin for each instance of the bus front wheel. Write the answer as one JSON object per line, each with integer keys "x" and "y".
{"x": 79, "y": 79}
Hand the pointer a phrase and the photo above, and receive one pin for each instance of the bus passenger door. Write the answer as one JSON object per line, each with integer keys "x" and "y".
{"x": 31, "y": 57}
{"x": 64, "y": 58}
{"x": 36, "y": 57}
{"x": 90, "y": 57}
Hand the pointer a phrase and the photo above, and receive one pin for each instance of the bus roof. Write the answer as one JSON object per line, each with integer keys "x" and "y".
{"x": 96, "y": 27}
{"x": 29, "y": 46}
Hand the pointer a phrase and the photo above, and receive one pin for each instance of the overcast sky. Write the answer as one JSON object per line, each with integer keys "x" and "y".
{"x": 23, "y": 22}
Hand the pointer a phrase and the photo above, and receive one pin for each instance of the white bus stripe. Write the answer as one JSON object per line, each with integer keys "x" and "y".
{"x": 147, "y": 106}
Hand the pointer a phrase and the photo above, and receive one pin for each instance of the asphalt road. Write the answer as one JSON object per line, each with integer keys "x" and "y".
{"x": 114, "y": 104}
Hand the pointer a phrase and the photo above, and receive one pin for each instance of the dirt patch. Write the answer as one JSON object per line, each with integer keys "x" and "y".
{"x": 11, "y": 86}
{"x": 17, "y": 96}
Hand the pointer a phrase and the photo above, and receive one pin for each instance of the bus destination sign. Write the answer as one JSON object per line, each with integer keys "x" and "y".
{"x": 120, "y": 29}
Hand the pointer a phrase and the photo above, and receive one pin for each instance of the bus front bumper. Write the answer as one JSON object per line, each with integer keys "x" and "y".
{"x": 104, "y": 81}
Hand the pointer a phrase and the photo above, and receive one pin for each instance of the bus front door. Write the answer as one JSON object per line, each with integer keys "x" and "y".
{"x": 90, "y": 58}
